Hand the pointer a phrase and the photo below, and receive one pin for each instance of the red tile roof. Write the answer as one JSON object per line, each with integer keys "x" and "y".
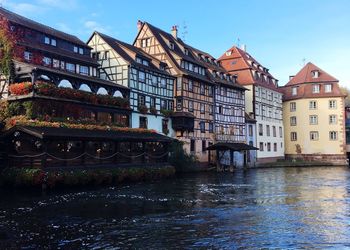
{"x": 305, "y": 75}
{"x": 239, "y": 62}
{"x": 304, "y": 82}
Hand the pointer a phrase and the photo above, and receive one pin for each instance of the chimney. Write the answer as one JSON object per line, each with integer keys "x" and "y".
{"x": 290, "y": 77}
{"x": 174, "y": 31}
{"x": 244, "y": 47}
{"x": 139, "y": 25}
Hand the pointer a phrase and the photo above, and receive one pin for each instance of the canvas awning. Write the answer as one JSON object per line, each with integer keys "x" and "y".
{"x": 223, "y": 146}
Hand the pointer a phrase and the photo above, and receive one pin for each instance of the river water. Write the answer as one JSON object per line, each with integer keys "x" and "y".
{"x": 258, "y": 208}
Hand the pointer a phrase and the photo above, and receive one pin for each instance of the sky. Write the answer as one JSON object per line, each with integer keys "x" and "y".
{"x": 282, "y": 35}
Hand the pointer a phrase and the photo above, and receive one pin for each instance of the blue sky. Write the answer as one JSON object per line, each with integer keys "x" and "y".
{"x": 281, "y": 35}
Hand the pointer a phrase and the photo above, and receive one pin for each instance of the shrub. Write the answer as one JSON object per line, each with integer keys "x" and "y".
{"x": 15, "y": 108}
{"x": 143, "y": 109}
{"x": 153, "y": 111}
{"x": 179, "y": 158}
{"x": 166, "y": 112}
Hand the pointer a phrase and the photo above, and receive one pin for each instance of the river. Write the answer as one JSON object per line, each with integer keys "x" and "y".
{"x": 257, "y": 208}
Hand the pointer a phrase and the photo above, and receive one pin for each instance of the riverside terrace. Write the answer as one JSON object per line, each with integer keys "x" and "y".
{"x": 49, "y": 147}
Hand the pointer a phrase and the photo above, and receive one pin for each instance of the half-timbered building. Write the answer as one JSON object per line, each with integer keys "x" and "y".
{"x": 62, "y": 113}
{"x": 151, "y": 85}
{"x": 209, "y": 104}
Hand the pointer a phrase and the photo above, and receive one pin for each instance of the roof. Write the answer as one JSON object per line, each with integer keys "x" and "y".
{"x": 121, "y": 48}
{"x": 231, "y": 146}
{"x": 241, "y": 63}
{"x": 18, "y": 19}
{"x": 305, "y": 75}
{"x": 69, "y": 133}
{"x": 27, "y": 68}
{"x": 194, "y": 55}
{"x": 304, "y": 82}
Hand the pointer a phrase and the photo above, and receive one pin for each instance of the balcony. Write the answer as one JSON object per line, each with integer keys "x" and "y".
{"x": 183, "y": 121}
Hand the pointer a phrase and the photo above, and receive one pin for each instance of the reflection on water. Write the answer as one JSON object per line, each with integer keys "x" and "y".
{"x": 283, "y": 208}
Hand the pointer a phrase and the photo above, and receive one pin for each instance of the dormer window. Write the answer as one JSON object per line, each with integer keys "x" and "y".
{"x": 328, "y": 88}
{"x": 161, "y": 66}
{"x": 53, "y": 42}
{"x": 81, "y": 51}
{"x": 228, "y": 53}
{"x": 75, "y": 49}
{"x": 186, "y": 51}
{"x": 294, "y": 90}
{"x": 315, "y": 74}
{"x": 315, "y": 88}
{"x": 171, "y": 45}
{"x": 47, "y": 40}
{"x": 50, "y": 41}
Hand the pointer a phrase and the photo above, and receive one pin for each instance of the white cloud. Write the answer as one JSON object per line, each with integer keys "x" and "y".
{"x": 65, "y": 5}
{"x": 25, "y": 9}
{"x": 94, "y": 26}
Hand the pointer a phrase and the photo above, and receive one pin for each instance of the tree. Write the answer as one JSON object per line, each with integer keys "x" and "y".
{"x": 346, "y": 92}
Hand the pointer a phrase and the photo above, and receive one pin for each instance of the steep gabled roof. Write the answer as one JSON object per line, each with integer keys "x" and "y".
{"x": 23, "y": 21}
{"x": 305, "y": 75}
{"x": 121, "y": 48}
{"x": 239, "y": 62}
{"x": 194, "y": 55}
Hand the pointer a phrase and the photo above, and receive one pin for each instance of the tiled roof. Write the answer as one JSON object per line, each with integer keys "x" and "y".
{"x": 239, "y": 62}
{"x": 122, "y": 47}
{"x": 304, "y": 82}
{"x": 306, "y": 75}
{"x": 15, "y": 18}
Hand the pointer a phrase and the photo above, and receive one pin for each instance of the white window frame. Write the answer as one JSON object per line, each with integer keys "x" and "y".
{"x": 314, "y": 136}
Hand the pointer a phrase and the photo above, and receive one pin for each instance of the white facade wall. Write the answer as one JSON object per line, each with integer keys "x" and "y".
{"x": 153, "y": 122}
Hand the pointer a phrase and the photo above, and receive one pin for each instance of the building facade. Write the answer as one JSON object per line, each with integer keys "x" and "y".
{"x": 206, "y": 96}
{"x": 263, "y": 101}
{"x": 151, "y": 85}
{"x": 313, "y": 115}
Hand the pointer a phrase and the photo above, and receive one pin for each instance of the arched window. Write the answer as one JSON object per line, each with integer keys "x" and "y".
{"x": 65, "y": 84}
{"x": 117, "y": 94}
{"x": 102, "y": 91}
{"x": 85, "y": 87}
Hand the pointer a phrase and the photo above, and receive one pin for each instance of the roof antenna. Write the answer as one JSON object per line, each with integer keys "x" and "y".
{"x": 184, "y": 31}
{"x": 238, "y": 42}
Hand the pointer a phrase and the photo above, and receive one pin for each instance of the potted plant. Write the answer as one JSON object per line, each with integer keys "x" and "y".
{"x": 153, "y": 111}
{"x": 166, "y": 112}
{"x": 143, "y": 109}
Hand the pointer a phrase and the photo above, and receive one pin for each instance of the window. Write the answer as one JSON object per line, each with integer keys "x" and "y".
{"x": 274, "y": 131}
{"x": 143, "y": 122}
{"x": 162, "y": 82}
{"x": 81, "y": 52}
{"x": 163, "y": 104}
{"x": 261, "y": 146}
{"x": 165, "y": 129}
{"x": 171, "y": 105}
{"x": 211, "y": 127}
{"x": 315, "y": 74}
{"x": 280, "y": 130}
{"x": 332, "y": 119}
{"x": 55, "y": 63}
{"x": 333, "y": 135}
{"x": 250, "y": 130}
{"x": 293, "y": 106}
{"x": 204, "y": 145}
{"x": 142, "y": 76}
{"x": 75, "y": 49}
{"x": 47, "y": 40}
{"x": 152, "y": 102}
{"x": 190, "y": 106}
{"x": 53, "y": 42}
{"x": 202, "y": 89}
{"x": 313, "y": 119}
{"x": 145, "y": 42}
{"x": 312, "y": 105}
{"x": 202, "y": 108}
{"x": 70, "y": 67}
{"x": 315, "y": 88}
{"x": 294, "y": 90}
{"x": 268, "y": 130}
{"x": 186, "y": 51}
{"x": 193, "y": 146}
{"x": 28, "y": 56}
{"x": 211, "y": 109}
{"x": 141, "y": 100}
{"x": 190, "y": 85}
{"x": 328, "y": 88}
{"x": 275, "y": 147}
{"x": 260, "y": 129}
{"x": 84, "y": 70}
{"x": 46, "y": 61}
{"x": 268, "y": 147}
{"x": 293, "y": 120}
{"x": 62, "y": 65}
{"x": 332, "y": 104}
{"x": 178, "y": 104}
{"x": 210, "y": 91}
{"x": 171, "y": 45}
{"x": 314, "y": 136}
{"x": 202, "y": 126}
{"x": 293, "y": 136}
{"x": 220, "y": 109}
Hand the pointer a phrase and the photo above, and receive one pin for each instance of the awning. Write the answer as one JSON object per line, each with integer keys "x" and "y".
{"x": 88, "y": 134}
{"x": 231, "y": 146}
